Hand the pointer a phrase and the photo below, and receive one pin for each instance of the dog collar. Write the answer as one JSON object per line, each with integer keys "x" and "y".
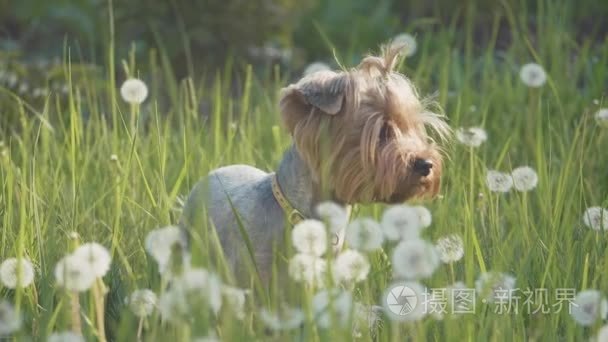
{"x": 293, "y": 215}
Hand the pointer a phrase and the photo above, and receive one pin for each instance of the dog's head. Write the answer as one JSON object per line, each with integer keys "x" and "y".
{"x": 363, "y": 132}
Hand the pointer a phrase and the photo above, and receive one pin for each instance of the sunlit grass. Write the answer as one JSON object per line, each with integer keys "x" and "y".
{"x": 57, "y": 177}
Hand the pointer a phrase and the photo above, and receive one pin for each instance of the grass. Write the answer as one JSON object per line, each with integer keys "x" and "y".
{"x": 57, "y": 178}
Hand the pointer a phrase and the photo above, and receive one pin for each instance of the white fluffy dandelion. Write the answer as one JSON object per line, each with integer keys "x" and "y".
{"x": 471, "y": 136}
{"x": 424, "y": 214}
{"x": 415, "y": 259}
{"x": 335, "y": 215}
{"x": 495, "y": 286}
{"x": 601, "y": 117}
{"x": 74, "y": 273}
{"x": 143, "y": 302}
{"x": 97, "y": 256}
{"x": 134, "y": 91}
{"x": 307, "y": 268}
{"x": 596, "y": 218}
{"x": 407, "y": 41}
{"x": 286, "y": 319}
{"x": 332, "y": 308}
{"x": 524, "y": 178}
{"x": 589, "y": 306}
{"x": 364, "y": 234}
{"x": 350, "y": 266}
{"x": 533, "y": 75}
{"x": 16, "y": 273}
{"x": 450, "y": 248}
{"x": 10, "y": 321}
{"x": 401, "y": 222}
{"x": 160, "y": 243}
{"x": 198, "y": 284}
{"x": 405, "y": 301}
{"x": 499, "y": 181}
{"x": 315, "y": 67}
{"x": 173, "y": 306}
{"x": 235, "y": 298}
{"x": 65, "y": 336}
{"x": 310, "y": 237}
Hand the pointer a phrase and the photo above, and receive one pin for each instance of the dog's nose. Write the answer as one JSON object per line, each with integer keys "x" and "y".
{"x": 423, "y": 166}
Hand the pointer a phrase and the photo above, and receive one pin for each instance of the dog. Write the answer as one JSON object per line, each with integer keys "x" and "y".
{"x": 359, "y": 136}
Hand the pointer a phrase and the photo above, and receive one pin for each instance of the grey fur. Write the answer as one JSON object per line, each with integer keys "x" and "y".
{"x": 250, "y": 191}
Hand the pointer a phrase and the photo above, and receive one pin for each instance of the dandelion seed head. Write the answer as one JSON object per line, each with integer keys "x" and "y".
{"x": 425, "y": 216}
{"x": 350, "y": 266}
{"x": 315, "y": 67}
{"x": 407, "y": 41}
{"x": 310, "y": 237}
{"x": 16, "y": 273}
{"x": 74, "y": 273}
{"x": 143, "y": 302}
{"x": 287, "y": 319}
{"x": 589, "y": 306}
{"x": 332, "y": 307}
{"x": 414, "y": 259}
{"x": 601, "y": 117}
{"x": 307, "y": 268}
{"x": 333, "y": 214}
{"x": 97, "y": 256}
{"x": 65, "y": 336}
{"x": 160, "y": 243}
{"x": 134, "y": 91}
{"x": 524, "y": 178}
{"x": 364, "y": 234}
{"x": 499, "y": 181}
{"x": 495, "y": 286}
{"x": 401, "y": 222}
{"x": 114, "y": 158}
{"x": 471, "y": 136}
{"x": 596, "y": 218}
{"x": 235, "y": 299}
{"x": 10, "y": 321}
{"x": 533, "y": 75}
{"x": 450, "y": 248}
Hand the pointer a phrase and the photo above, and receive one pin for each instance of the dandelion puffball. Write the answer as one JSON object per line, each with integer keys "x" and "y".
{"x": 533, "y": 75}
{"x": 407, "y": 41}
{"x": 601, "y": 117}
{"x": 307, "y": 268}
{"x": 450, "y": 248}
{"x": 495, "y": 286}
{"x": 401, "y": 222}
{"x": 596, "y": 218}
{"x": 134, "y": 91}
{"x": 524, "y": 178}
{"x": 74, "y": 273}
{"x": 97, "y": 256}
{"x": 364, "y": 234}
{"x": 310, "y": 237}
{"x": 499, "y": 181}
{"x": 142, "y": 302}
{"x": 471, "y": 136}
{"x": 16, "y": 273}
{"x": 10, "y": 321}
{"x": 333, "y": 214}
{"x": 350, "y": 266}
{"x": 414, "y": 259}
{"x": 589, "y": 306}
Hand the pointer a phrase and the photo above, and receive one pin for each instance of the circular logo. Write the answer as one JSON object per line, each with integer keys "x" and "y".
{"x": 401, "y": 299}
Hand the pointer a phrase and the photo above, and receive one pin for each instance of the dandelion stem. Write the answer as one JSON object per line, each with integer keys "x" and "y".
{"x": 140, "y": 328}
{"x": 75, "y": 310}
{"x": 98, "y": 297}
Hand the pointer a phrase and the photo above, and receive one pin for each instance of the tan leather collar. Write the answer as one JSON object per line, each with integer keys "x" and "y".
{"x": 292, "y": 214}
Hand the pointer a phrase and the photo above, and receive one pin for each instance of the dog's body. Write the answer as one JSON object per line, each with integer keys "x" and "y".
{"x": 359, "y": 137}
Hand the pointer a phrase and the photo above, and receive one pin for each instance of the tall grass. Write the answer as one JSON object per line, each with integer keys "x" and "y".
{"x": 57, "y": 179}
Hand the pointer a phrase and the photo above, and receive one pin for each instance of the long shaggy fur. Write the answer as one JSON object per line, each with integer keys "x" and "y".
{"x": 365, "y": 152}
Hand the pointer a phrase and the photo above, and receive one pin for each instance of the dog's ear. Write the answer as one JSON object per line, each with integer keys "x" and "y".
{"x": 323, "y": 92}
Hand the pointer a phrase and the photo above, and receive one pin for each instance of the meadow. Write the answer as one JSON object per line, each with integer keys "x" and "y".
{"x": 86, "y": 166}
